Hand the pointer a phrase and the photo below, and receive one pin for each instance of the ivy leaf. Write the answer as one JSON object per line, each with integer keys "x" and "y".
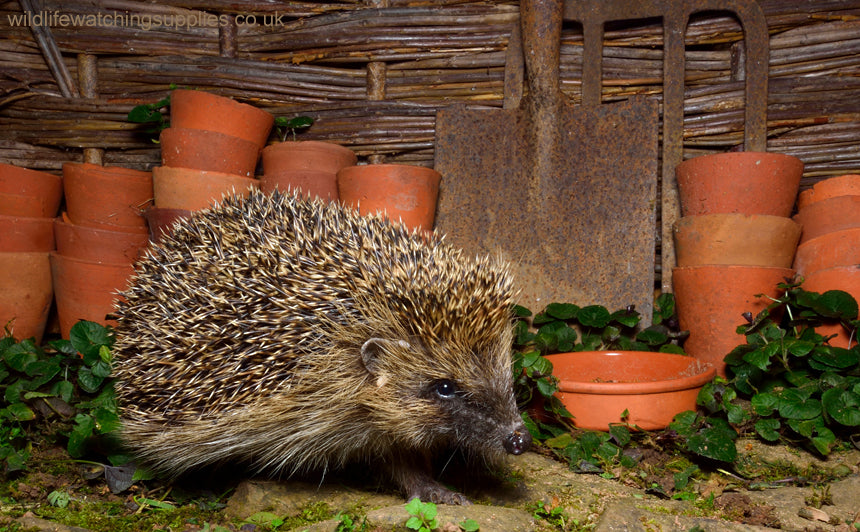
{"x": 87, "y": 338}
{"x": 652, "y": 336}
{"x": 20, "y": 412}
{"x": 89, "y": 382}
{"x": 562, "y": 311}
{"x": 593, "y": 316}
{"x": 825, "y": 440}
{"x": 716, "y": 442}
{"x": 764, "y": 403}
{"x": 768, "y": 429}
{"x": 794, "y": 404}
{"x": 837, "y": 304}
{"x": 842, "y": 405}
{"x": 80, "y": 434}
{"x": 760, "y": 358}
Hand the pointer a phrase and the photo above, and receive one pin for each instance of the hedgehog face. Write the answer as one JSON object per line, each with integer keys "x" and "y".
{"x": 472, "y": 407}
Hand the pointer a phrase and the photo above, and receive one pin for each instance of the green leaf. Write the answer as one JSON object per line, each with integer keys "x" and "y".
{"x": 143, "y": 114}
{"x": 59, "y": 499}
{"x": 521, "y": 311}
{"x": 593, "y": 316}
{"x": 562, "y": 311}
{"x": 795, "y": 404}
{"x": 89, "y": 382}
{"x": 20, "y": 355}
{"x": 63, "y": 390}
{"x": 837, "y": 304}
{"x": 835, "y": 357}
{"x": 760, "y": 358}
{"x": 105, "y": 420}
{"x": 546, "y": 386}
{"x": 825, "y": 440}
{"x": 684, "y": 423}
{"x": 82, "y": 431}
{"x": 768, "y": 429}
{"x": 470, "y": 525}
{"x": 414, "y": 506}
{"x": 20, "y": 412}
{"x": 300, "y": 122}
{"x": 764, "y": 403}
{"x": 716, "y": 442}
{"x": 413, "y": 523}
{"x": 842, "y": 405}
{"x": 627, "y": 318}
{"x": 87, "y": 338}
{"x": 101, "y": 369}
{"x": 620, "y": 433}
{"x": 652, "y": 336}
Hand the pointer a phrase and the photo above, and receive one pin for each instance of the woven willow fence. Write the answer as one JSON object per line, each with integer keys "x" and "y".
{"x": 373, "y": 73}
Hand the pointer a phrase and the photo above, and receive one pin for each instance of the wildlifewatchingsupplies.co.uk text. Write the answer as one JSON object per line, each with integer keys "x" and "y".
{"x": 144, "y": 21}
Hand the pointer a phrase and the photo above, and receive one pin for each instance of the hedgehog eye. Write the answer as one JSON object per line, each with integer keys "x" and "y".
{"x": 446, "y": 389}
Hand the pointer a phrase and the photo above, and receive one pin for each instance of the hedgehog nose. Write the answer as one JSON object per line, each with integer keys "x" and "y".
{"x": 518, "y": 441}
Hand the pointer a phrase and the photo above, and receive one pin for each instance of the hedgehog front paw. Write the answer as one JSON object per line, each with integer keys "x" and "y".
{"x": 437, "y": 493}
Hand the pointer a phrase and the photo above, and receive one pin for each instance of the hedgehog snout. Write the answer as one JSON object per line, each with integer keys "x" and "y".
{"x": 518, "y": 441}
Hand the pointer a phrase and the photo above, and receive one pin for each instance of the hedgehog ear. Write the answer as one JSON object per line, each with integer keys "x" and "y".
{"x": 373, "y": 349}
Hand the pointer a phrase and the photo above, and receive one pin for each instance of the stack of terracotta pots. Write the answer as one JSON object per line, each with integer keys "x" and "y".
{"x": 309, "y": 166}
{"x": 210, "y": 150}
{"x": 734, "y": 241}
{"x": 828, "y": 257}
{"x": 29, "y": 200}
{"x": 98, "y": 239}
{"x": 402, "y": 192}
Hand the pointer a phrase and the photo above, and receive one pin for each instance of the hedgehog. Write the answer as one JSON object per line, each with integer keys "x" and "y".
{"x": 288, "y": 335}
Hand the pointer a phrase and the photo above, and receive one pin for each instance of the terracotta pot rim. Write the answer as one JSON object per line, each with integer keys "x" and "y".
{"x": 704, "y": 372}
{"x": 35, "y": 175}
{"x": 389, "y": 166}
{"x": 180, "y": 170}
{"x": 101, "y": 228}
{"x": 849, "y": 269}
{"x": 842, "y": 233}
{"x": 108, "y": 265}
{"x": 31, "y": 219}
{"x": 741, "y": 155}
{"x": 683, "y": 269}
{"x": 110, "y": 171}
{"x": 742, "y": 215}
{"x": 299, "y": 144}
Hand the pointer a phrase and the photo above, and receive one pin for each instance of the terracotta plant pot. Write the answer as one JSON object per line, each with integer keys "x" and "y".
{"x": 99, "y": 245}
{"x": 711, "y": 301}
{"x": 598, "y": 386}
{"x": 29, "y": 193}
{"x": 208, "y": 150}
{"x": 845, "y": 278}
{"x": 161, "y": 221}
{"x": 741, "y": 182}
{"x": 306, "y": 155}
{"x": 839, "y": 248}
{"x": 829, "y": 215}
{"x": 106, "y": 196}
{"x": 26, "y": 234}
{"x": 190, "y": 109}
{"x": 754, "y": 240}
{"x": 192, "y": 190}
{"x": 844, "y": 185}
{"x": 25, "y": 283}
{"x": 312, "y": 183}
{"x": 403, "y": 192}
{"x": 86, "y": 290}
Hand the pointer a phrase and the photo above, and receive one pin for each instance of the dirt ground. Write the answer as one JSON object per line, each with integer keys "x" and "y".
{"x": 771, "y": 487}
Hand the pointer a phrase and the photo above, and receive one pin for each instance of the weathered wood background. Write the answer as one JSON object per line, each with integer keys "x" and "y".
{"x": 372, "y": 73}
